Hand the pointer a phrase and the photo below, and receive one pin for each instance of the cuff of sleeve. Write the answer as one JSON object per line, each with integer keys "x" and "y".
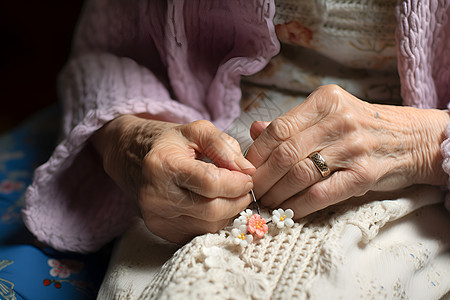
{"x": 445, "y": 151}
{"x": 72, "y": 204}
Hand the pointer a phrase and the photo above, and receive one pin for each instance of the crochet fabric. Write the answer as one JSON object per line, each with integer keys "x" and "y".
{"x": 395, "y": 248}
{"x": 182, "y": 61}
{"x": 382, "y": 246}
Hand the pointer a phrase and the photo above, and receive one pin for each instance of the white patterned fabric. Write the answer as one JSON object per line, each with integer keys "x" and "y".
{"x": 396, "y": 248}
{"x": 392, "y": 245}
{"x": 349, "y": 43}
{"x": 139, "y": 56}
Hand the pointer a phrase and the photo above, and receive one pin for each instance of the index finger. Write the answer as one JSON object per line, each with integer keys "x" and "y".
{"x": 210, "y": 181}
{"x": 291, "y": 123}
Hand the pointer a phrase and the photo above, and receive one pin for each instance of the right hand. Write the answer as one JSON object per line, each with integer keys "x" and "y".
{"x": 157, "y": 163}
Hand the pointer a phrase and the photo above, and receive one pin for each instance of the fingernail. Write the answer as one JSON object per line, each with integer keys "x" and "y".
{"x": 249, "y": 186}
{"x": 245, "y": 165}
{"x": 261, "y": 124}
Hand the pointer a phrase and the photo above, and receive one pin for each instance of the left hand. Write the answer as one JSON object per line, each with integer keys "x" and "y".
{"x": 366, "y": 146}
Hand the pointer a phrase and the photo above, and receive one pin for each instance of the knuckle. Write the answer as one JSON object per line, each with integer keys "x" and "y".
{"x": 200, "y": 124}
{"x": 326, "y": 98}
{"x": 225, "y": 143}
{"x": 149, "y": 163}
{"x": 330, "y": 93}
{"x": 301, "y": 175}
{"x": 233, "y": 143}
{"x": 281, "y": 128}
{"x": 318, "y": 197}
{"x": 359, "y": 144}
{"x": 363, "y": 174}
{"x": 153, "y": 162}
{"x": 332, "y": 90}
{"x": 213, "y": 212}
{"x": 347, "y": 117}
{"x": 285, "y": 155}
{"x": 197, "y": 128}
{"x": 342, "y": 123}
{"x": 208, "y": 186}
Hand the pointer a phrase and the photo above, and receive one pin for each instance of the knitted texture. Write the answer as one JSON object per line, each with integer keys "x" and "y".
{"x": 131, "y": 58}
{"x": 423, "y": 42}
{"x": 181, "y": 61}
{"x": 348, "y": 251}
{"x": 445, "y": 151}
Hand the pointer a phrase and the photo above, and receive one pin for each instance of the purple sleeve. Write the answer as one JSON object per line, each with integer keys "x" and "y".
{"x": 423, "y": 49}
{"x": 445, "y": 150}
{"x": 177, "y": 60}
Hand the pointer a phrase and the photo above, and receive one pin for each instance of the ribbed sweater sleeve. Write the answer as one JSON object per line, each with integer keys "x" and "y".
{"x": 445, "y": 150}
{"x": 423, "y": 44}
{"x": 177, "y": 60}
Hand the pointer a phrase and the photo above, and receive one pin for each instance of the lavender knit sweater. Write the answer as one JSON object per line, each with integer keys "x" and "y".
{"x": 181, "y": 61}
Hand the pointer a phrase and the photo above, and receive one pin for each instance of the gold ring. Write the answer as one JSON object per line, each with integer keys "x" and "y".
{"x": 320, "y": 163}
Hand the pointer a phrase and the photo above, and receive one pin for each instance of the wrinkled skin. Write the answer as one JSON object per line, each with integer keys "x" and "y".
{"x": 367, "y": 147}
{"x": 159, "y": 165}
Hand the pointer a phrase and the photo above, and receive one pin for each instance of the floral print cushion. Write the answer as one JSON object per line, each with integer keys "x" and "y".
{"x": 348, "y": 43}
{"x": 21, "y": 151}
{"x": 29, "y": 270}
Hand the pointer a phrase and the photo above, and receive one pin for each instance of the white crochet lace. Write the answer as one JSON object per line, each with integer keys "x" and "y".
{"x": 351, "y": 245}
{"x": 339, "y": 247}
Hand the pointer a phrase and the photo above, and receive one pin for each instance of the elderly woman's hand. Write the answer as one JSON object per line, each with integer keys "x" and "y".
{"x": 158, "y": 164}
{"x": 366, "y": 147}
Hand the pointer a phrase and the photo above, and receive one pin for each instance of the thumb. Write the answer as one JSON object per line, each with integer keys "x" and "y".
{"x": 257, "y": 127}
{"x": 218, "y": 146}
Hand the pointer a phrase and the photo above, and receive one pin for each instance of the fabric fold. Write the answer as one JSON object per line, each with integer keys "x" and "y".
{"x": 127, "y": 59}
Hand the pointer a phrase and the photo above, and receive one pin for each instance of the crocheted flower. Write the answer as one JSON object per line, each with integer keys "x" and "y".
{"x": 239, "y": 236}
{"x": 283, "y": 217}
{"x": 257, "y": 225}
{"x": 245, "y": 215}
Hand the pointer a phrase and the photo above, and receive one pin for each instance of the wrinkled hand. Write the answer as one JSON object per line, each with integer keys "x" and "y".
{"x": 178, "y": 194}
{"x": 366, "y": 146}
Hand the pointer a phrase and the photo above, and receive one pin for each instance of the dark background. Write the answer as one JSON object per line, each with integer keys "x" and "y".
{"x": 34, "y": 46}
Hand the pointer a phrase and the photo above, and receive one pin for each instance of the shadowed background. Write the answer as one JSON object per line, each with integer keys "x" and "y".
{"x": 35, "y": 44}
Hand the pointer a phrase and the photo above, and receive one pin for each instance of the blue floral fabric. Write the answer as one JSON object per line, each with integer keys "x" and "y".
{"x": 29, "y": 270}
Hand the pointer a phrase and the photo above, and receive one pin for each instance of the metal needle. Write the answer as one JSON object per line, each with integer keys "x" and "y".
{"x": 251, "y": 191}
